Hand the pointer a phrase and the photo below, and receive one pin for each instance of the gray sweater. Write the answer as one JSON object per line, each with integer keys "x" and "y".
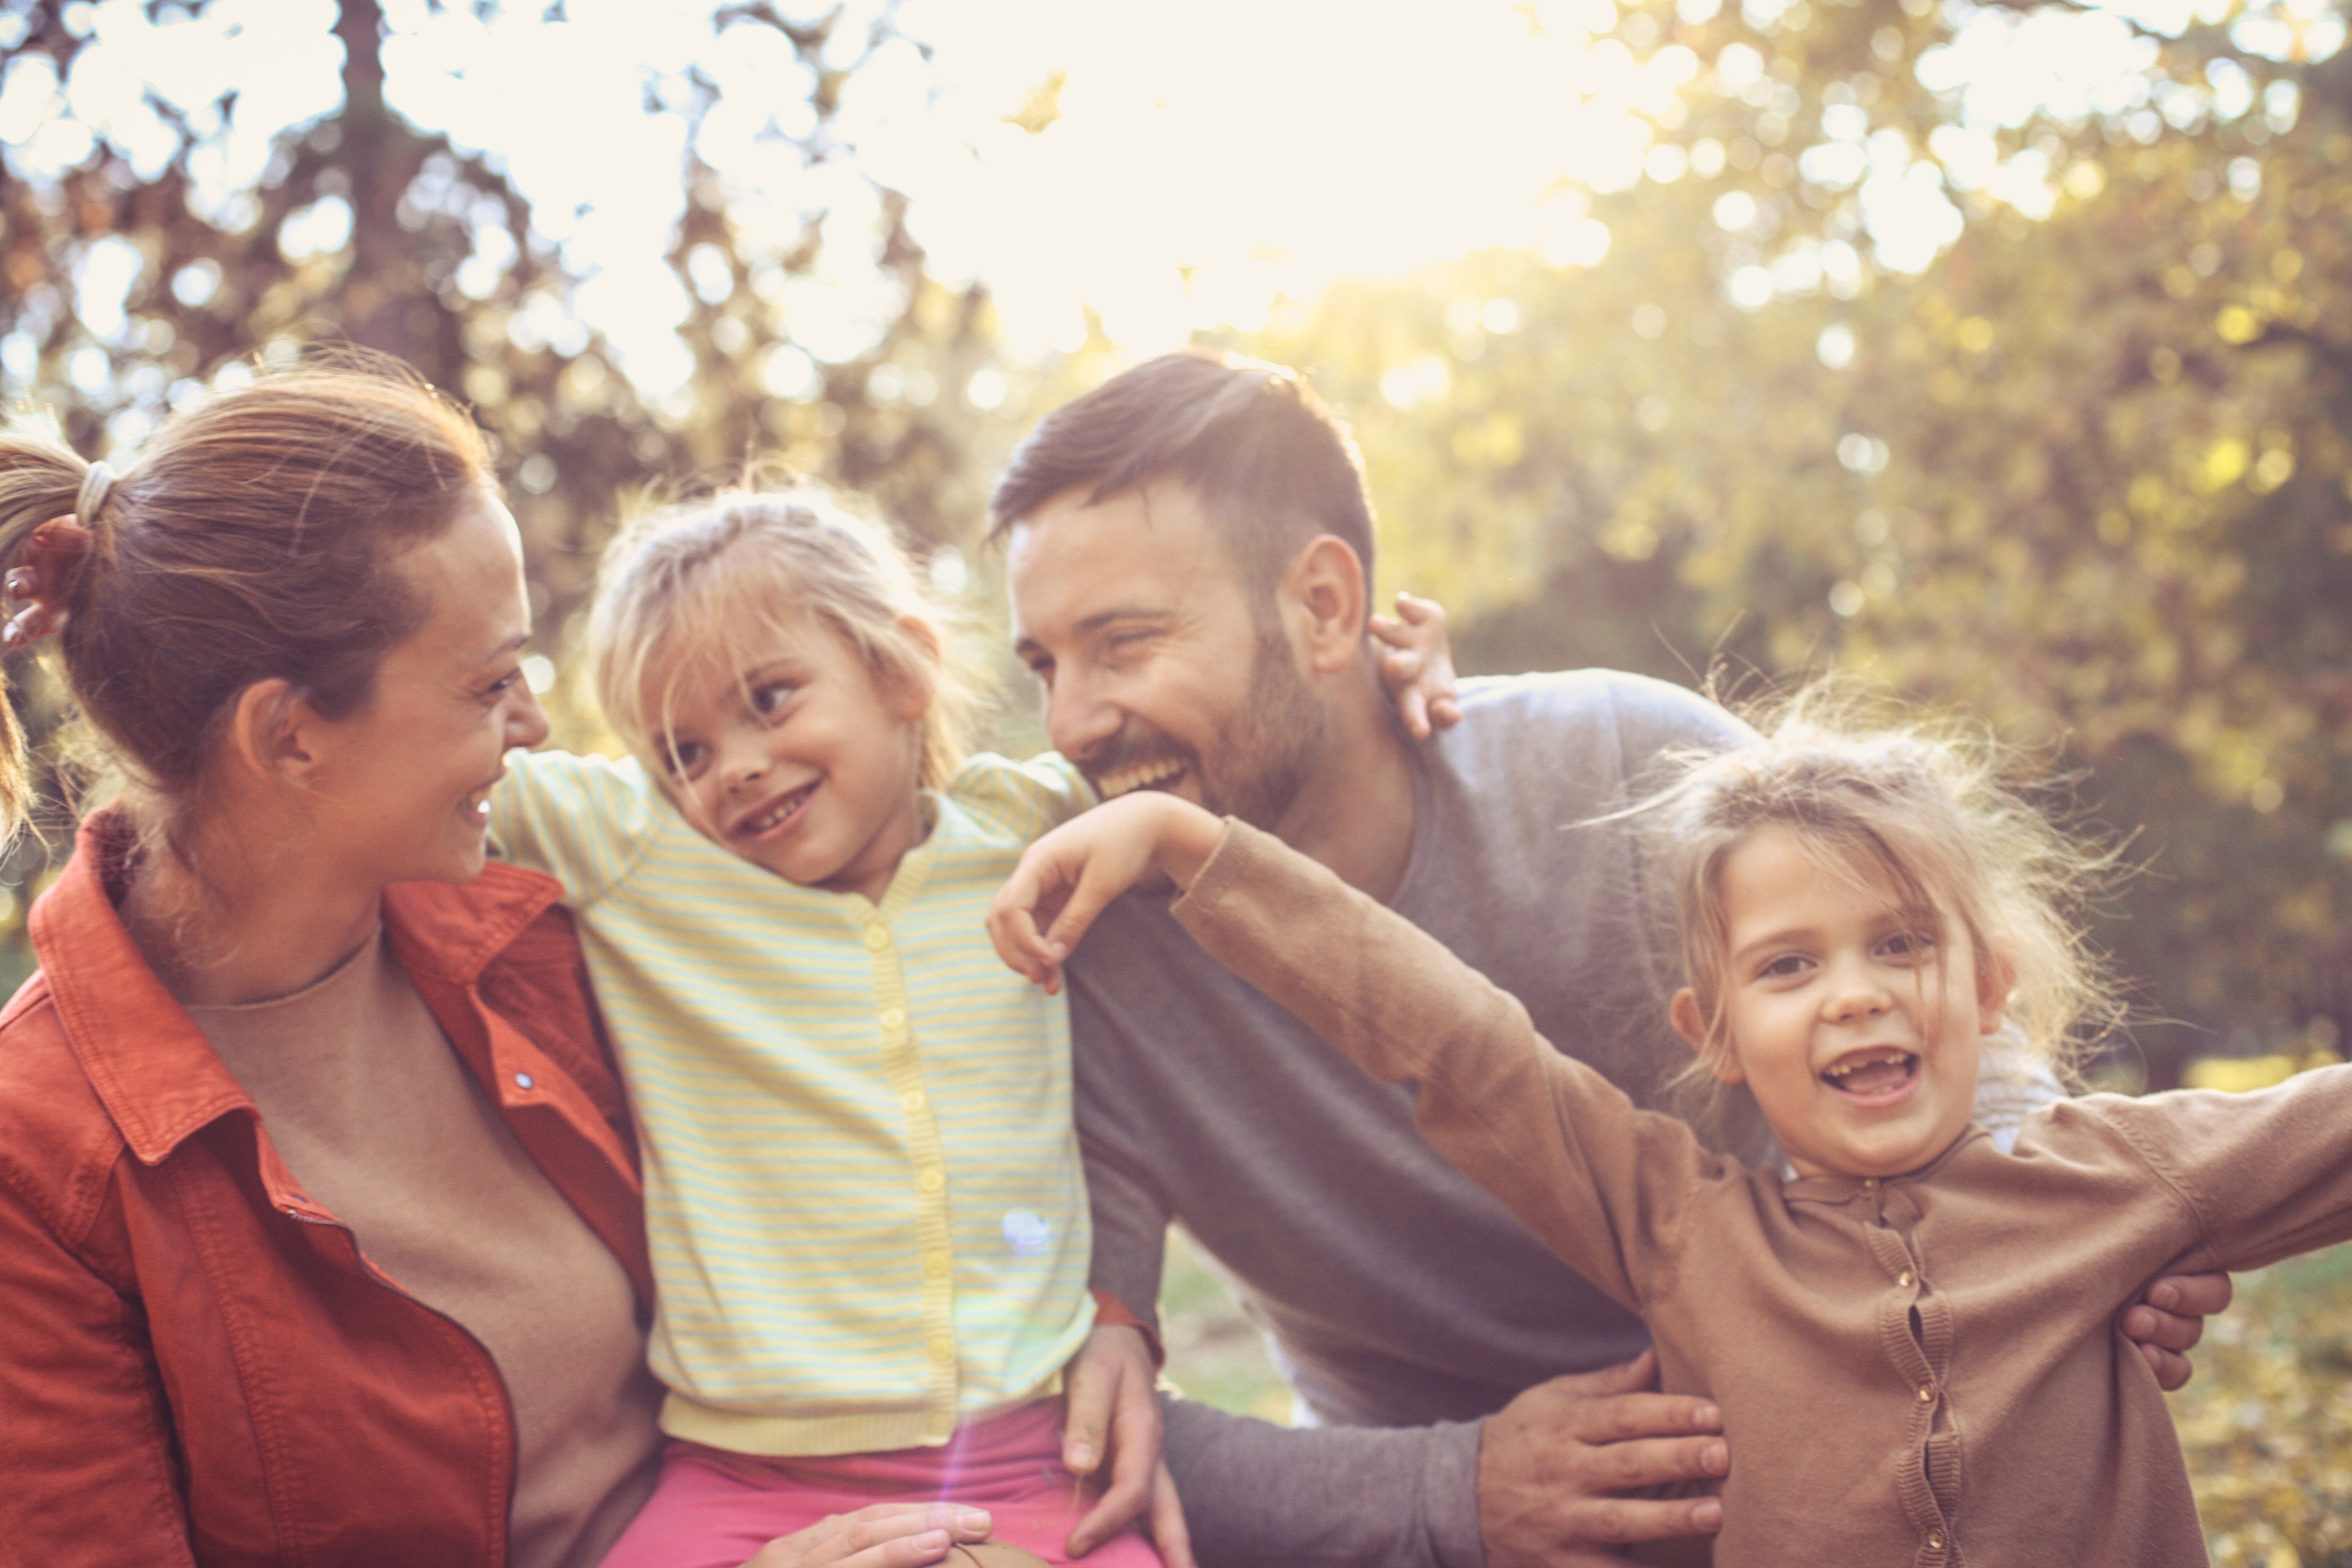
{"x": 1397, "y": 1292}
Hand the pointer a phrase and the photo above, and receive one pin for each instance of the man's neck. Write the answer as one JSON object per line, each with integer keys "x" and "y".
{"x": 1354, "y": 814}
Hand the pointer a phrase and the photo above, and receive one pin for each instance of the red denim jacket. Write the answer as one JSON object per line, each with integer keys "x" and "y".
{"x": 196, "y": 1364}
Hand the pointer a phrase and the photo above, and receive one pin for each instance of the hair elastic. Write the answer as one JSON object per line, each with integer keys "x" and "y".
{"x": 95, "y": 485}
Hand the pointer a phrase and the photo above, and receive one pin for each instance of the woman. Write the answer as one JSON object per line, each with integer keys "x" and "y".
{"x": 319, "y": 1237}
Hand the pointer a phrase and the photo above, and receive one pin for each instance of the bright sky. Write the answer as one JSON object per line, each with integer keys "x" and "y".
{"x": 1210, "y": 156}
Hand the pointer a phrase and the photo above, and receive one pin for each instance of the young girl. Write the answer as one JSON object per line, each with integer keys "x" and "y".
{"x": 863, "y": 1194}
{"x": 1910, "y": 1333}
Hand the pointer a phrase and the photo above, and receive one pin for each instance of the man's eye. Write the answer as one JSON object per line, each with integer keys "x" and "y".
{"x": 503, "y": 682}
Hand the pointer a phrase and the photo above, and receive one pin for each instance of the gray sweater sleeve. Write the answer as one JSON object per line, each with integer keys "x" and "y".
{"x": 1260, "y": 1495}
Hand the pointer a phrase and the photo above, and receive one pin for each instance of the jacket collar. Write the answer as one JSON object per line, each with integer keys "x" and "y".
{"x": 152, "y": 1068}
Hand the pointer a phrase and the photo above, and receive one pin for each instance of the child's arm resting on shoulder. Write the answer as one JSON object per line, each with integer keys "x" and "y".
{"x": 1066, "y": 877}
{"x": 1603, "y": 1185}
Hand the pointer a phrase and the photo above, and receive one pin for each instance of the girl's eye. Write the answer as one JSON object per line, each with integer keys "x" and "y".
{"x": 774, "y": 694}
{"x": 1910, "y": 946}
{"x": 685, "y": 756}
{"x": 1788, "y": 966}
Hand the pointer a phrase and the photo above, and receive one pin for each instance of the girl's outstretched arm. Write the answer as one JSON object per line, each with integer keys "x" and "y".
{"x": 1066, "y": 877}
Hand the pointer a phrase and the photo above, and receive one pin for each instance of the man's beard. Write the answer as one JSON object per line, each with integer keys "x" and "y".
{"x": 1265, "y": 750}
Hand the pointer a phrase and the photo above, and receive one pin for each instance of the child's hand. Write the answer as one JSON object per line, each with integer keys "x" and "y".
{"x": 1112, "y": 1406}
{"x": 1418, "y": 668}
{"x": 1068, "y": 875}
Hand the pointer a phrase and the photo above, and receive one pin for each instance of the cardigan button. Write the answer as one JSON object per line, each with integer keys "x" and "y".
{"x": 1927, "y": 1392}
{"x": 1934, "y": 1541}
{"x": 893, "y": 1017}
{"x": 930, "y": 1179}
{"x": 1904, "y": 1279}
{"x": 523, "y": 1081}
{"x": 877, "y": 936}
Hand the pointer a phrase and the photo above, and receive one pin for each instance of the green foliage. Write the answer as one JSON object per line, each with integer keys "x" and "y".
{"x": 2090, "y": 476}
{"x": 2267, "y": 1421}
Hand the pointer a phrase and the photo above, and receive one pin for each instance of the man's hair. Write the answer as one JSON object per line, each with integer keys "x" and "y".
{"x": 1272, "y": 467}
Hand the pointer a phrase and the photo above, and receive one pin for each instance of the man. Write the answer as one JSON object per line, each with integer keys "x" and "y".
{"x": 1189, "y": 556}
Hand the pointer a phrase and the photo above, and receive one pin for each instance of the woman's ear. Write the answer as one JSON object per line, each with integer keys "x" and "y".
{"x": 275, "y": 733}
{"x": 1691, "y": 1025}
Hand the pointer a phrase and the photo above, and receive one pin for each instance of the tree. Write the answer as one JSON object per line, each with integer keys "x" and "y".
{"x": 2085, "y": 471}
{"x": 130, "y": 285}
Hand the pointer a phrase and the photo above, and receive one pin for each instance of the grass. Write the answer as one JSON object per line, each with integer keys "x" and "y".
{"x": 2266, "y": 1421}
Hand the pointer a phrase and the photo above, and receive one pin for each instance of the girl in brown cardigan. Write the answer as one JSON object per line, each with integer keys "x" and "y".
{"x": 1910, "y": 1332}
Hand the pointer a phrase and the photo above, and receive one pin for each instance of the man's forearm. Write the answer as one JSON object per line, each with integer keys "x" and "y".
{"x": 1260, "y": 1495}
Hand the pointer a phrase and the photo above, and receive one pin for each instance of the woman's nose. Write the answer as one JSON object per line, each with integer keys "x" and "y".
{"x": 527, "y": 725}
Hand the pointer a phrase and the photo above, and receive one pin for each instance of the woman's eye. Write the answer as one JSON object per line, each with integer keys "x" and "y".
{"x": 503, "y": 682}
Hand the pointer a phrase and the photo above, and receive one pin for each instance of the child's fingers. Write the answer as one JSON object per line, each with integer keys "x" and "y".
{"x": 1013, "y": 925}
{"x": 1444, "y": 712}
{"x": 1169, "y": 1532}
{"x": 1095, "y": 888}
{"x": 1415, "y": 611}
{"x": 1413, "y": 708}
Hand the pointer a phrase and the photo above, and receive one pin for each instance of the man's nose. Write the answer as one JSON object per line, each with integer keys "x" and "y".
{"x": 1079, "y": 716}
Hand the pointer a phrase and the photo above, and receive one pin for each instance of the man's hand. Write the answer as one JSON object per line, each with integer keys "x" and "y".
{"x": 886, "y": 1535}
{"x": 1113, "y": 1407}
{"x": 1552, "y": 1465}
{"x": 1417, "y": 666}
{"x": 2170, "y": 1319}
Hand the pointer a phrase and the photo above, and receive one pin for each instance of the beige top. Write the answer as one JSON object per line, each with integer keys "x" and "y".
{"x": 1922, "y": 1369}
{"x": 375, "y": 1115}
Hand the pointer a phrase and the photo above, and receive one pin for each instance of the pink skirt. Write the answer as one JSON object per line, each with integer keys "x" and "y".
{"x": 713, "y": 1509}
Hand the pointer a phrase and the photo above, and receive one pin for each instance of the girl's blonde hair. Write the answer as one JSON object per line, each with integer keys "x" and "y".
{"x": 1922, "y": 801}
{"x": 684, "y": 591}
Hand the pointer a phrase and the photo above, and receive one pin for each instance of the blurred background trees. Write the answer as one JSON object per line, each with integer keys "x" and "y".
{"x": 2031, "y": 403}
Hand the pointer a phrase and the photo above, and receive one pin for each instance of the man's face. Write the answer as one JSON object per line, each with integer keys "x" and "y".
{"x": 1157, "y": 675}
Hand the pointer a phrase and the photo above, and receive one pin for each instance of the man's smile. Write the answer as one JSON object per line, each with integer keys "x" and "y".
{"x": 1139, "y": 775}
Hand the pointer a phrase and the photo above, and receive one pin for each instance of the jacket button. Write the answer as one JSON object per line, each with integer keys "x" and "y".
{"x": 523, "y": 1081}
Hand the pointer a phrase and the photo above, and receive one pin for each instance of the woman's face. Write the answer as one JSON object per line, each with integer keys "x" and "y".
{"x": 401, "y": 788}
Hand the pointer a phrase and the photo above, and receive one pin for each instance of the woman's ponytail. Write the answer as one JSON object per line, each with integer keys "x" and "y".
{"x": 40, "y": 483}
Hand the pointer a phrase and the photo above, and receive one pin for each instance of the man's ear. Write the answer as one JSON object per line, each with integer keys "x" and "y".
{"x": 1691, "y": 1025}
{"x": 275, "y": 733}
{"x": 1328, "y": 596}
{"x": 1996, "y": 978}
